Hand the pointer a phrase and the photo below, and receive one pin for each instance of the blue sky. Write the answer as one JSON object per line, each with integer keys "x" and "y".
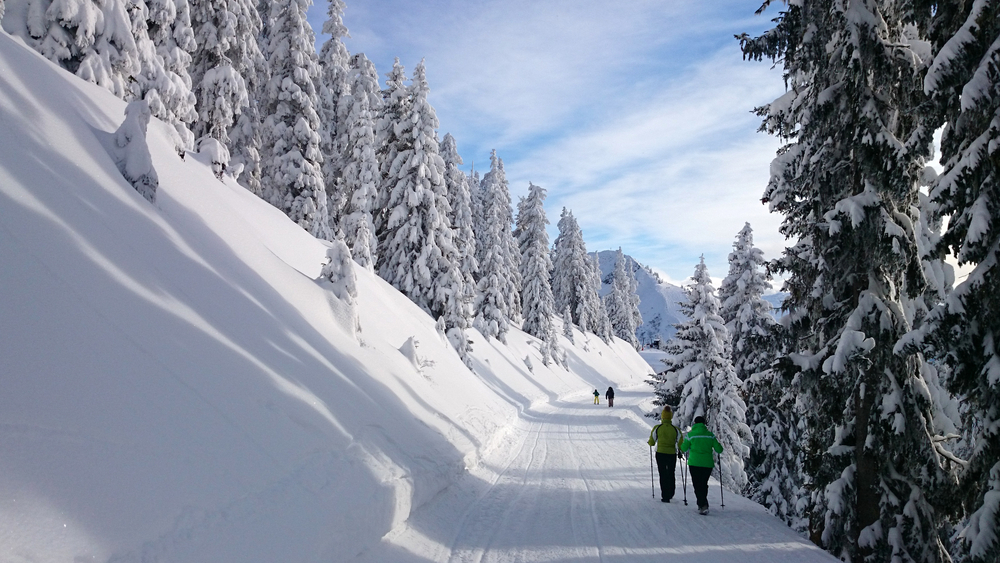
{"x": 634, "y": 114}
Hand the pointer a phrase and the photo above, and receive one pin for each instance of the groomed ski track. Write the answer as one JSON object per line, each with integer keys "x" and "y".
{"x": 570, "y": 482}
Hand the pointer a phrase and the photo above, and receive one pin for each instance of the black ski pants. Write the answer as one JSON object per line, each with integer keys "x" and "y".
{"x": 699, "y": 480}
{"x": 665, "y": 464}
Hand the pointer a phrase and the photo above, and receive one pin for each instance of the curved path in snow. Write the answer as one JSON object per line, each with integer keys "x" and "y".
{"x": 571, "y": 482}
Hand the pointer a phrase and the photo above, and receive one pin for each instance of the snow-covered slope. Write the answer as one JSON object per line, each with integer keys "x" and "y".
{"x": 176, "y": 384}
{"x": 658, "y": 300}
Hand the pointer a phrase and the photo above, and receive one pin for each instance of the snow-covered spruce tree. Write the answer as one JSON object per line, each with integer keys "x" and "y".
{"x": 334, "y": 105}
{"x": 133, "y": 158}
{"x": 846, "y": 185}
{"x": 246, "y": 134}
{"x": 395, "y": 104}
{"x": 418, "y": 254}
{"x": 459, "y": 200}
{"x": 339, "y": 273}
{"x": 361, "y": 172}
{"x": 633, "y": 285}
{"x": 292, "y": 160}
{"x": 700, "y": 375}
{"x": 169, "y": 28}
{"x": 90, "y": 38}
{"x": 536, "y": 265}
{"x": 568, "y": 324}
{"x": 963, "y": 83}
{"x": 571, "y": 273}
{"x": 598, "y": 312}
{"x": 498, "y": 299}
{"x": 226, "y": 57}
{"x": 747, "y": 315}
{"x": 774, "y": 464}
{"x": 476, "y": 207}
{"x": 619, "y": 302}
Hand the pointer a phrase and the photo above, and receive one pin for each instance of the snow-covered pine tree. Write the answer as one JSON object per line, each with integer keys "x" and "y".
{"x": 963, "y": 83}
{"x": 774, "y": 465}
{"x": 90, "y": 38}
{"x": 568, "y": 323}
{"x": 846, "y": 185}
{"x": 633, "y": 285}
{"x": 226, "y": 57}
{"x": 246, "y": 134}
{"x": 476, "y": 206}
{"x": 747, "y": 315}
{"x": 498, "y": 300}
{"x": 361, "y": 171}
{"x": 595, "y": 305}
{"x": 133, "y": 158}
{"x": 224, "y": 69}
{"x": 338, "y": 273}
{"x": 334, "y": 105}
{"x": 418, "y": 254}
{"x": 395, "y": 104}
{"x": 571, "y": 273}
{"x": 700, "y": 376}
{"x": 618, "y": 302}
{"x": 536, "y": 265}
{"x": 169, "y": 29}
{"x": 459, "y": 199}
{"x": 292, "y": 161}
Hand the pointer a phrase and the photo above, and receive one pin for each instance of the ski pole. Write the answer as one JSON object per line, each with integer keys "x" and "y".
{"x": 722, "y": 491}
{"x": 684, "y": 478}
{"x": 651, "y": 485}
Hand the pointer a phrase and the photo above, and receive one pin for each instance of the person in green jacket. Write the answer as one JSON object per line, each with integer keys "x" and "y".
{"x": 667, "y": 437}
{"x": 700, "y": 442}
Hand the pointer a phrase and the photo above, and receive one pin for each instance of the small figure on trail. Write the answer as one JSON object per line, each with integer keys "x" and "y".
{"x": 667, "y": 437}
{"x": 700, "y": 442}
{"x": 597, "y": 397}
{"x": 610, "y": 396}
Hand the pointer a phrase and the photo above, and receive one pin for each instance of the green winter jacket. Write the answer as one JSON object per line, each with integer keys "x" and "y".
{"x": 700, "y": 442}
{"x": 665, "y": 435}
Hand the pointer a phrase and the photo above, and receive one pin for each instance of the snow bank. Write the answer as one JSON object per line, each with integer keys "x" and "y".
{"x": 178, "y": 386}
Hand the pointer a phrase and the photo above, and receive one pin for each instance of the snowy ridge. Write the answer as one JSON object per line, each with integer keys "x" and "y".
{"x": 177, "y": 384}
{"x": 659, "y": 302}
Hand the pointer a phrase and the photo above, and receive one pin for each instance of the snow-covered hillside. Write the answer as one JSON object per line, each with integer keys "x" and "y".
{"x": 658, "y": 300}
{"x": 176, "y": 384}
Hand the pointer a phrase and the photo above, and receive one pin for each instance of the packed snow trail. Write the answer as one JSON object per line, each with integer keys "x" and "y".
{"x": 571, "y": 482}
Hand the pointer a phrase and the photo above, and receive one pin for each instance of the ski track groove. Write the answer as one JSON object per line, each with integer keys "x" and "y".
{"x": 457, "y": 553}
{"x": 586, "y": 483}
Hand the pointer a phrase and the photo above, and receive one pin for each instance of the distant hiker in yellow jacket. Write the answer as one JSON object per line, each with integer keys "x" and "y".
{"x": 667, "y": 438}
{"x": 700, "y": 442}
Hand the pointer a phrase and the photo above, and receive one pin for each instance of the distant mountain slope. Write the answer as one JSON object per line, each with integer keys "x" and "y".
{"x": 658, "y": 300}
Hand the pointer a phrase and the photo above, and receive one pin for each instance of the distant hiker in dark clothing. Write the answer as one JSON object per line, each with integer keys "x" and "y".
{"x": 610, "y": 396}
{"x": 700, "y": 442}
{"x": 667, "y": 437}
{"x": 597, "y": 397}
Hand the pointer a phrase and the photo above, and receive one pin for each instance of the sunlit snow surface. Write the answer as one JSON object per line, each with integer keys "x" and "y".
{"x": 177, "y": 387}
